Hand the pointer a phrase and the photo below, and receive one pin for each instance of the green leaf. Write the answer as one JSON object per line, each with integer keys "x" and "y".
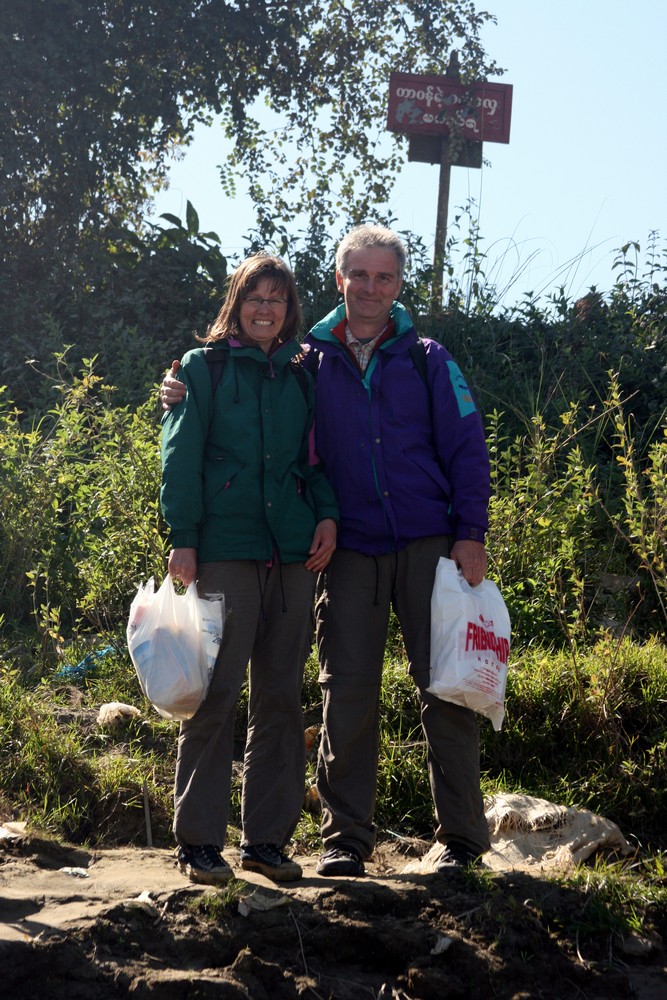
{"x": 192, "y": 219}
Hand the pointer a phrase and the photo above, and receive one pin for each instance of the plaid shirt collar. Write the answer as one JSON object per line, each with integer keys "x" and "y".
{"x": 362, "y": 350}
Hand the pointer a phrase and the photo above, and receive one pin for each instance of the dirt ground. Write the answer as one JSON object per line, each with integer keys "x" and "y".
{"x": 123, "y": 922}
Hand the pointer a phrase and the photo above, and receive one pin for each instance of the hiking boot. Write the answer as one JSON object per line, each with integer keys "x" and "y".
{"x": 204, "y": 864}
{"x": 456, "y": 855}
{"x": 341, "y": 860}
{"x": 270, "y": 861}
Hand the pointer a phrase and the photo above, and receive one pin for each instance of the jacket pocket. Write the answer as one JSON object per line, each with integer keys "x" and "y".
{"x": 220, "y": 475}
{"x": 300, "y": 484}
{"x": 430, "y": 467}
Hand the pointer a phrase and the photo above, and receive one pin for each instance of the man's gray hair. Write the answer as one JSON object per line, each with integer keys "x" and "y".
{"x": 367, "y": 236}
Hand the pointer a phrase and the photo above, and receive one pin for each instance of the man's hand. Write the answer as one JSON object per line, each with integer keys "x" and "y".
{"x": 471, "y": 559}
{"x": 182, "y": 565}
{"x": 323, "y": 545}
{"x": 171, "y": 391}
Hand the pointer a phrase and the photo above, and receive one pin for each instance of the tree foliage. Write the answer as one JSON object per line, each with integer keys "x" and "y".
{"x": 95, "y": 95}
{"x": 324, "y": 156}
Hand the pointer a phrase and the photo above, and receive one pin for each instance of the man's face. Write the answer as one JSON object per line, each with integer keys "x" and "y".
{"x": 369, "y": 286}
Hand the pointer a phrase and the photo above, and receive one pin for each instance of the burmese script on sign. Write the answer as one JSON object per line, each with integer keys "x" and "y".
{"x": 438, "y": 105}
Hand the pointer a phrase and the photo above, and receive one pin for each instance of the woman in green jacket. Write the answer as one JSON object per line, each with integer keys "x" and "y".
{"x": 251, "y": 515}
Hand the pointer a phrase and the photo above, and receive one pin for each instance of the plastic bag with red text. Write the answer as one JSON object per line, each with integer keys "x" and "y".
{"x": 470, "y": 643}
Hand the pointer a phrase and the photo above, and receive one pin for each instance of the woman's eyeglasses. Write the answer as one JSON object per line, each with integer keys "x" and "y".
{"x": 256, "y": 302}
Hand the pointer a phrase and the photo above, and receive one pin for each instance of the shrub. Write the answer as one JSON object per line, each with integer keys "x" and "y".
{"x": 81, "y": 519}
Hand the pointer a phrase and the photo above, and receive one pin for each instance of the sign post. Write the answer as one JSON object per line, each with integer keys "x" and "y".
{"x": 442, "y": 213}
{"x": 447, "y": 122}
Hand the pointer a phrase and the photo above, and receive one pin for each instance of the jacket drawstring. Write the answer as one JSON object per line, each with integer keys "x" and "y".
{"x": 282, "y": 586}
{"x": 377, "y": 582}
{"x": 394, "y": 577}
{"x": 262, "y": 590}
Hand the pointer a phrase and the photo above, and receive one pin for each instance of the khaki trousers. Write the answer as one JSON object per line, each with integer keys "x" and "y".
{"x": 352, "y": 613}
{"x": 269, "y": 624}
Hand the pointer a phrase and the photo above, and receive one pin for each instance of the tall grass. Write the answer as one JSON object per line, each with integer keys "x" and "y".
{"x": 68, "y": 775}
{"x": 79, "y": 496}
{"x": 588, "y": 732}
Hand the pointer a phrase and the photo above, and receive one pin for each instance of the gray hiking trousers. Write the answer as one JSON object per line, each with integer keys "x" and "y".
{"x": 352, "y": 614}
{"x": 269, "y": 624}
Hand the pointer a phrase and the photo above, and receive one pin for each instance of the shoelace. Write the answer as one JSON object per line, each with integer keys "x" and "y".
{"x": 271, "y": 853}
{"x": 342, "y": 852}
{"x": 210, "y": 855}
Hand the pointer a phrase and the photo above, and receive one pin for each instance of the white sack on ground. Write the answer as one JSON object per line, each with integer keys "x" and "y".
{"x": 532, "y": 834}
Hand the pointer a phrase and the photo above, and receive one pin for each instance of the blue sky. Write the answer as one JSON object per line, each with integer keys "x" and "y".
{"x": 584, "y": 171}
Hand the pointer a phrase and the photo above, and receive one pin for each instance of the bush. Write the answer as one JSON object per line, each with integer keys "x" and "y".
{"x": 81, "y": 519}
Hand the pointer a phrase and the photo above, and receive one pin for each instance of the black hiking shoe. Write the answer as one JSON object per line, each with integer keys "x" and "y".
{"x": 341, "y": 861}
{"x": 204, "y": 864}
{"x": 270, "y": 861}
{"x": 457, "y": 855}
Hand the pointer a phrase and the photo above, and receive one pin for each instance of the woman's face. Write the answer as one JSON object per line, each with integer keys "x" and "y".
{"x": 263, "y": 312}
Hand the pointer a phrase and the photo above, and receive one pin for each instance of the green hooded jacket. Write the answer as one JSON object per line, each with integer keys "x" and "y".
{"x": 239, "y": 479}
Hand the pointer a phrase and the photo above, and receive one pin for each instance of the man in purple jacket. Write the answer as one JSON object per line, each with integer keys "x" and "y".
{"x": 403, "y": 446}
{"x": 409, "y": 464}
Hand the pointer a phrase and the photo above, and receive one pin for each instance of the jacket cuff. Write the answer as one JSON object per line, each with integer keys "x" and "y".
{"x": 470, "y": 533}
{"x": 184, "y": 539}
{"x": 328, "y": 512}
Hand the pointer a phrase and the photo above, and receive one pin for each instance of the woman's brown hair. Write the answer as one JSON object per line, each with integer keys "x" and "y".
{"x": 243, "y": 282}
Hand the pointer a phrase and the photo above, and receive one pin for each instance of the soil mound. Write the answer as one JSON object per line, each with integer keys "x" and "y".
{"x": 97, "y": 925}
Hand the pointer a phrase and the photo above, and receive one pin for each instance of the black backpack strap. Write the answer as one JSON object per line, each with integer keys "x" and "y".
{"x": 216, "y": 361}
{"x": 417, "y": 354}
{"x": 311, "y": 362}
{"x": 300, "y": 375}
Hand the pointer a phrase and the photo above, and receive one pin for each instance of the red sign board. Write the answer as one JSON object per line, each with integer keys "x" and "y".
{"x": 438, "y": 105}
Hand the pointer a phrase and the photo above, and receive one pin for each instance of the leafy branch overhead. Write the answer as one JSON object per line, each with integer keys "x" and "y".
{"x": 325, "y": 155}
{"x": 96, "y": 96}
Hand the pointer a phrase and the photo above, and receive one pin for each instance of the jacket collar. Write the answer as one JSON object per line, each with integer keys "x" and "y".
{"x": 279, "y": 357}
{"x": 324, "y": 330}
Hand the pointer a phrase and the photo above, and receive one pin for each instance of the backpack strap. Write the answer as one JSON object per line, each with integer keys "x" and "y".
{"x": 417, "y": 354}
{"x": 418, "y": 357}
{"x": 300, "y": 375}
{"x": 311, "y": 362}
{"x": 216, "y": 361}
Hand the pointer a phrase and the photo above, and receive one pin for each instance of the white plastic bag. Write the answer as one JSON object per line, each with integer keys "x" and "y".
{"x": 470, "y": 643}
{"x": 173, "y": 640}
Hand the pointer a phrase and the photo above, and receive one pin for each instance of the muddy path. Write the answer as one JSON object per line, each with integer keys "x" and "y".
{"x": 123, "y": 922}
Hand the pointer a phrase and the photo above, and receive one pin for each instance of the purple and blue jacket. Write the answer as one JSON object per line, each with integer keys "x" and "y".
{"x": 403, "y": 462}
